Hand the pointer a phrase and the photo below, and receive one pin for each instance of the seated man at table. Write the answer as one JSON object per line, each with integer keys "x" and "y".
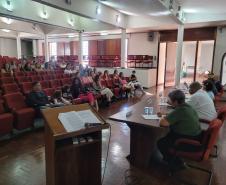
{"x": 183, "y": 122}
{"x": 201, "y": 102}
{"x": 37, "y": 98}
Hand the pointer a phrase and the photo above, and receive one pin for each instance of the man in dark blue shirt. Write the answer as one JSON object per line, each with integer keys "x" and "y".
{"x": 37, "y": 98}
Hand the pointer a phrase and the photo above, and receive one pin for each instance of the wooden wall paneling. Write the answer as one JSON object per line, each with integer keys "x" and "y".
{"x": 67, "y": 48}
{"x": 93, "y": 47}
{"x": 60, "y": 48}
{"x": 195, "y": 34}
{"x": 74, "y": 47}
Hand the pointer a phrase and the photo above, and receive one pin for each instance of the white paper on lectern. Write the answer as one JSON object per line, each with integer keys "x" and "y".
{"x": 87, "y": 116}
{"x": 73, "y": 121}
{"x": 151, "y": 117}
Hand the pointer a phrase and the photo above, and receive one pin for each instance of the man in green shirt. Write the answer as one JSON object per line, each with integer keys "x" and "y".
{"x": 183, "y": 122}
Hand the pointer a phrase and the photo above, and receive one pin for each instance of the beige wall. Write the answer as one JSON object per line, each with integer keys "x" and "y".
{"x": 138, "y": 44}
{"x": 8, "y": 47}
{"x": 219, "y": 50}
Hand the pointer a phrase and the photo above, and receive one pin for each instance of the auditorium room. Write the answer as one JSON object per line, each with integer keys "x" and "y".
{"x": 112, "y": 92}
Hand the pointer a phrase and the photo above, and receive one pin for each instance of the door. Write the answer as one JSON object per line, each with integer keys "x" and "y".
{"x": 162, "y": 63}
{"x": 170, "y": 68}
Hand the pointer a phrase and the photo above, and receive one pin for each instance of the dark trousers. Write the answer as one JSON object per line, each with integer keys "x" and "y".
{"x": 167, "y": 142}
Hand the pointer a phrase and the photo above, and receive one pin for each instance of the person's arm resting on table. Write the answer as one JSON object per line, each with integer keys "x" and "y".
{"x": 170, "y": 119}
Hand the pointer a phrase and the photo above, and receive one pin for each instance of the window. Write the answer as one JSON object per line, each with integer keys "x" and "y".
{"x": 53, "y": 49}
{"x": 85, "y": 51}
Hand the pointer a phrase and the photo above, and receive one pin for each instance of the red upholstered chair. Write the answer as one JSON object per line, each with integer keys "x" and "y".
{"x": 31, "y": 73}
{"x": 18, "y": 74}
{"x": 41, "y": 73}
{"x": 66, "y": 81}
{"x": 55, "y": 84}
{"x": 26, "y": 87}
{"x": 110, "y": 84}
{"x": 10, "y": 88}
{"x": 49, "y": 91}
{"x": 221, "y": 114}
{"x": 22, "y": 79}
{"x": 6, "y": 80}
{"x": 58, "y": 76}
{"x": 66, "y": 76}
{"x": 47, "y": 77}
{"x": 36, "y": 78}
{"x": 103, "y": 83}
{"x": 205, "y": 145}
{"x": 23, "y": 115}
{"x": 45, "y": 84}
{"x": 5, "y": 75}
{"x": 6, "y": 121}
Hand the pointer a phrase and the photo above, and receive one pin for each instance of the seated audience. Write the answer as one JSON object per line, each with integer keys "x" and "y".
{"x": 106, "y": 75}
{"x": 14, "y": 66}
{"x": 38, "y": 67}
{"x": 68, "y": 69}
{"x": 124, "y": 84}
{"x": 211, "y": 79}
{"x": 78, "y": 91}
{"x": 27, "y": 67}
{"x": 208, "y": 87}
{"x": 103, "y": 90}
{"x": 116, "y": 78}
{"x": 7, "y": 68}
{"x": 201, "y": 102}
{"x": 134, "y": 83}
{"x": 218, "y": 87}
{"x": 37, "y": 98}
{"x": 183, "y": 122}
{"x": 59, "y": 100}
{"x": 92, "y": 74}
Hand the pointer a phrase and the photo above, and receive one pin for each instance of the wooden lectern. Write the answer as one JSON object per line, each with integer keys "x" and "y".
{"x": 68, "y": 163}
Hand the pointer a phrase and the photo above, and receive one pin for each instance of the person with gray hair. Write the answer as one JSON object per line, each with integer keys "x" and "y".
{"x": 201, "y": 102}
{"x": 183, "y": 122}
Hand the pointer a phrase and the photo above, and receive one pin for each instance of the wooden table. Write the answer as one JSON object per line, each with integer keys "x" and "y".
{"x": 144, "y": 134}
{"x": 68, "y": 163}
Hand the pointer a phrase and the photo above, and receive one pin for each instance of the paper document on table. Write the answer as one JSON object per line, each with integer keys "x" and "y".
{"x": 87, "y": 116}
{"x": 165, "y": 104}
{"x": 151, "y": 117}
{"x": 71, "y": 121}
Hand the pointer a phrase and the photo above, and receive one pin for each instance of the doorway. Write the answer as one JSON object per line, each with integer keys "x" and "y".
{"x": 197, "y": 58}
{"x": 170, "y": 69}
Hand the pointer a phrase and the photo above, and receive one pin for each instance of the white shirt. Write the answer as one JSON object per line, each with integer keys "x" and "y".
{"x": 203, "y": 104}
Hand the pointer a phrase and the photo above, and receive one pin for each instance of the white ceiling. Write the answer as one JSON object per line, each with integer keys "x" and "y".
{"x": 204, "y": 6}
{"x": 136, "y": 7}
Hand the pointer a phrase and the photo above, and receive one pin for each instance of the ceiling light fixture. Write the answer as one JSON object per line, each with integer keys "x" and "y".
{"x": 118, "y": 18}
{"x": 171, "y": 6}
{"x": 44, "y": 14}
{"x": 8, "y": 5}
{"x": 164, "y": 13}
{"x": 98, "y": 10}
{"x": 5, "y": 30}
{"x": 104, "y": 33}
{"x": 7, "y": 20}
{"x": 71, "y": 36}
{"x": 71, "y": 22}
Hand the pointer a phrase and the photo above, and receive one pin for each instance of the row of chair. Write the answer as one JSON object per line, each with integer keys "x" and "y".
{"x": 18, "y": 116}
{"x": 26, "y": 87}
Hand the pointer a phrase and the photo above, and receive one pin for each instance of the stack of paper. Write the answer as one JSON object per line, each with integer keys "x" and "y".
{"x": 151, "y": 117}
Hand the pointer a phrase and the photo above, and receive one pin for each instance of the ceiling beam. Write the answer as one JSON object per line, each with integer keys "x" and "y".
{"x": 90, "y": 9}
{"x": 30, "y": 11}
{"x": 174, "y": 7}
